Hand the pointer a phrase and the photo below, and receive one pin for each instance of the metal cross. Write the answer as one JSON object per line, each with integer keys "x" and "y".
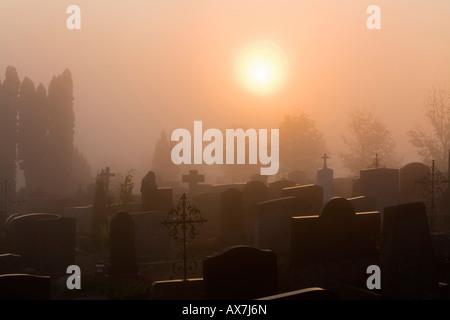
{"x": 432, "y": 191}
{"x": 376, "y": 163}
{"x": 183, "y": 221}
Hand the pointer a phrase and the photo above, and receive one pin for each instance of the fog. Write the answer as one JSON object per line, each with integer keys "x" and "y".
{"x": 140, "y": 67}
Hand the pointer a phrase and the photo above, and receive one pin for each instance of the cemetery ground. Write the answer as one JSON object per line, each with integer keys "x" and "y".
{"x": 242, "y": 241}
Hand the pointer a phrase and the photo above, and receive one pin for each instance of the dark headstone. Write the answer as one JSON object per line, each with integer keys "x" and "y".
{"x": 409, "y": 177}
{"x": 148, "y": 190}
{"x": 276, "y": 187}
{"x": 56, "y": 245}
{"x": 273, "y": 222}
{"x": 408, "y": 265}
{"x": 209, "y": 206}
{"x": 337, "y": 208}
{"x": 123, "y": 252}
{"x": 25, "y": 287}
{"x": 356, "y": 187}
{"x": 191, "y": 289}
{"x": 305, "y": 294}
{"x": 381, "y": 184}
{"x": 240, "y": 273}
{"x": 11, "y": 263}
{"x": 325, "y": 180}
{"x": 153, "y": 242}
{"x": 253, "y": 193}
{"x": 336, "y": 234}
{"x": 343, "y": 187}
{"x": 83, "y": 217}
{"x": 363, "y": 203}
{"x": 231, "y": 213}
{"x": 23, "y": 236}
{"x": 311, "y": 193}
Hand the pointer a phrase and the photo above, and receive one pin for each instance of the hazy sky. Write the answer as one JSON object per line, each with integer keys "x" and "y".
{"x": 143, "y": 66}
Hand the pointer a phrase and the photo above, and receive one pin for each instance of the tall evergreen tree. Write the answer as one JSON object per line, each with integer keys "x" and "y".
{"x": 61, "y": 133}
{"x": 9, "y": 92}
{"x": 32, "y": 137}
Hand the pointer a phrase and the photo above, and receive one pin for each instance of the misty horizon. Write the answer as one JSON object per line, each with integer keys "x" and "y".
{"x": 142, "y": 68}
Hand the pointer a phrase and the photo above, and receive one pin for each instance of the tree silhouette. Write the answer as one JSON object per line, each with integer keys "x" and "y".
{"x": 32, "y": 137}
{"x": 301, "y": 144}
{"x": 61, "y": 132}
{"x": 434, "y": 145}
{"x": 369, "y": 137}
{"x": 9, "y": 92}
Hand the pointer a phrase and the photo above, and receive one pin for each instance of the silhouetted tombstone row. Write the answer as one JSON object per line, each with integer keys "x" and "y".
{"x": 256, "y": 222}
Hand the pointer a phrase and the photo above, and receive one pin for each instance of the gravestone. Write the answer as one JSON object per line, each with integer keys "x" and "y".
{"x": 123, "y": 247}
{"x": 218, "y": 188}
{"x": 343, "y": 187}
{"x": 240, "y": 273}
{"x": 313, "y": 293}
{"x": 209, "y": 206}
{"x": 83, "y": 217}
{"x": 253, "y": 193}
{"x": 148, "y": 190}
{"x": 152, "y": 242}
{"x": 409, "y": 175}
{"x": 63, "y": 203}
{"x": 232, "y": 220}
{"x": 298, "y": 177}
{"x": 56, "y": 245}
{"x": 311, "y": 194}
{"x": 337, "y": 234}
{"x": 191, "y": 289}
{"x": 25, "y": 287}
{"x": 276, "y": 187}
{"x": 363, "y": 203}
{"x": 381, "y": 184}
{"x": 273, "y": 222}
{"x": 154, "y": 198}
{"x": 408, "y": 265}
{"x": 259, "y": 177}
{"x": 325, "y": 180}
{"x": 356, "y": 187}
{"x": 22, "y": 237}
{"x": 11, "y": 263}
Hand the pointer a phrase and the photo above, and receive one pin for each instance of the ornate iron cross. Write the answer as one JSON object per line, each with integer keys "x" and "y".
{"x": 183, "y": 221}
{"x": 432, "y": 191}
{"x": 376, "y": 163}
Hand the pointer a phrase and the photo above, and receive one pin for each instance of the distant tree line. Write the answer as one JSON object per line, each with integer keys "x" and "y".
{"x": 37, "y": 134}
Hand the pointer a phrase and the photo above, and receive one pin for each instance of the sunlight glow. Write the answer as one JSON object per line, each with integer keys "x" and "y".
{"x": 261, "y": 67}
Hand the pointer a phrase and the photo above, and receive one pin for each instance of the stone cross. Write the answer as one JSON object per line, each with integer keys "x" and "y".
{"x": 106, "y": 174}
{"x": 193, "y": 178}
{"x": 325, "y": 157}
{"x": 183, "y": 221}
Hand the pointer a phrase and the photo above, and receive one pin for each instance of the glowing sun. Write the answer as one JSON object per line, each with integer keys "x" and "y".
{"x": 261, "y": 67}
